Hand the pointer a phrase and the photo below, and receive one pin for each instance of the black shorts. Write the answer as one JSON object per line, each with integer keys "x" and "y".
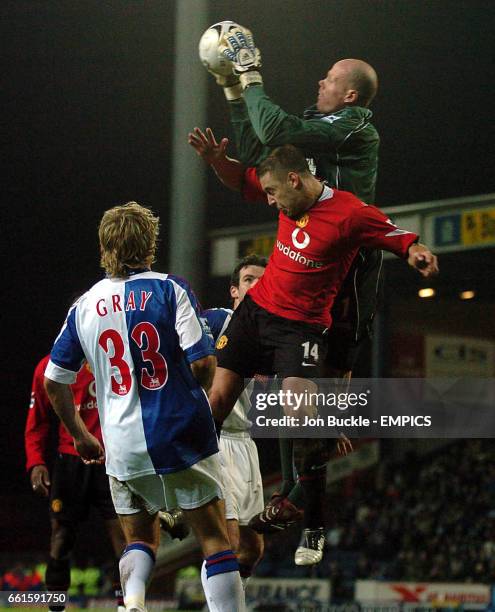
{"x": 354, "y": 310}
{"x": 76, "y": 487}
{"x": 259, "y": 342}
{"x": 343, "y": 349}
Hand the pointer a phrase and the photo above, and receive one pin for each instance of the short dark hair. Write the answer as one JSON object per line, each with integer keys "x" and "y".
{"x": 248, "y": 260}
{"x": 286, "y": 158}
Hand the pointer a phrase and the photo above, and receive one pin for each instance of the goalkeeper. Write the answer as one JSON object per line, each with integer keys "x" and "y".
{"x": 342, "y": 147}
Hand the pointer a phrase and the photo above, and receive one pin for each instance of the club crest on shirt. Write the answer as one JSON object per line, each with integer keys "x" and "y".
{"x": 222, "y": 342}
{"x": 57, "y": 505}
{"x": 303, "y": 221}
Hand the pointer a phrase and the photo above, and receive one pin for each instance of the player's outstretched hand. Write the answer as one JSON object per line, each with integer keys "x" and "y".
{"x": 344, "y": 445}
{"x": 89, "y": 449}
{"x": 238, "y": 47}
{"x": 40, "y": 480}
{"x": 421, "y": 258}
{"x": 206, "y": 145}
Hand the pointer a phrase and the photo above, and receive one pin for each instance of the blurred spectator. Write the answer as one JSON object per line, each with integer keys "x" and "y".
{"x": 21, "y": 578}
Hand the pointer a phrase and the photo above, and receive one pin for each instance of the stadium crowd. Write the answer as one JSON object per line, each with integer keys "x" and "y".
{"x": 423, "y": 519}
{"x": 87, "y": 578}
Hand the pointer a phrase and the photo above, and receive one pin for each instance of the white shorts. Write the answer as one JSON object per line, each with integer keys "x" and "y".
{"x": 187, "y": 489}
{"x": 242, "y": 477}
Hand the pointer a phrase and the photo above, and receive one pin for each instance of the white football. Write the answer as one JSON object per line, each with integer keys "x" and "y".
{"x": 208, "y": 48}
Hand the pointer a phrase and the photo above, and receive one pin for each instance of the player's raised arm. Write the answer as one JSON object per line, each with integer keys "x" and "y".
{"x": 230, "y": 171}
{"x": 274, "y": 126}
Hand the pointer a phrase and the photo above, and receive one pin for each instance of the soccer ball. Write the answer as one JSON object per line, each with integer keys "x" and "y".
{"x": 208, "y": 48}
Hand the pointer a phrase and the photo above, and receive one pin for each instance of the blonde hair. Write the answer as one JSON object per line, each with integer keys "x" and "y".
{"x": 128, "y": 235}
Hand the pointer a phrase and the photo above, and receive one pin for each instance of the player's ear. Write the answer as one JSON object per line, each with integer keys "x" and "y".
{"x": 293, "y": 179}
{"x": 351, "y": 96}
{"x": 234, "y": 292}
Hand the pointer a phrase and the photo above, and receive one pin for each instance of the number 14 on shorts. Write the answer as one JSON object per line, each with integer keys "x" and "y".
{"x": 310, "y": 356}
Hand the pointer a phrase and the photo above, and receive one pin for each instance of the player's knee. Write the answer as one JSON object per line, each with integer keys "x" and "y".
{"x": 62, "y": 539}
{"x": 57, "y": 577}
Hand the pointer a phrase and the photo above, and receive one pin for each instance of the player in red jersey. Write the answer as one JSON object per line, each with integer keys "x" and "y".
{"x": 282, "y": 321}
{"x": 319, "y": 233}
{"x": 235, "y": 176}
{"x": 73, "y": 486}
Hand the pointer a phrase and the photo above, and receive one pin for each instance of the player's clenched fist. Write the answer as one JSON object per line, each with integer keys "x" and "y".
{"x": 421, "y": 258}
{"x": 89, "y": 448}
{"x": 40, "y": 480}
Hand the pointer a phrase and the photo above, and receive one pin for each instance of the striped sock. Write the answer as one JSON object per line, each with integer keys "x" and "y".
{"x": 224, "y": 585}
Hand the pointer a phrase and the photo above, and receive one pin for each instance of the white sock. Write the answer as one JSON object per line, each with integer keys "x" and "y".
{"x": 204, "y": 581}
{"x": 224, "y": 587}
{"x": 226, "y": 592}
{"x": 136, "y": 565}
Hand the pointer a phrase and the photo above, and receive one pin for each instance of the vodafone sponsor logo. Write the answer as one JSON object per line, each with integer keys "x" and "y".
{"x": 297, "y": 234}
{"x": 92, "y": 388}
{"x": 297, "y": 255}
{"x": 91, "y": 405}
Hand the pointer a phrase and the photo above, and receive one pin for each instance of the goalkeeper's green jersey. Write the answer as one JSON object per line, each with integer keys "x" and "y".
{"x": 341, "y": 147}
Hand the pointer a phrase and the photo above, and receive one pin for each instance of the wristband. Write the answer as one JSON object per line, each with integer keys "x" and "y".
{"x": 234, "y": 92}
{"x": 253, "y": 77}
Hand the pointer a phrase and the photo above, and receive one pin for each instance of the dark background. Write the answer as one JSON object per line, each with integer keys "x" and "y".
{"x": 87, "y": 119}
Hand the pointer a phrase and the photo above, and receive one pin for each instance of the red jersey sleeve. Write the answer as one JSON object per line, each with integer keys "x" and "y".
{"x": 38, "y": 419}
{"x": 251, "y": 187}
{"x": 369, "y": 227}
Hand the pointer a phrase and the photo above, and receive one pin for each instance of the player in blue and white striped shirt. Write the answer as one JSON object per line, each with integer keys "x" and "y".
{"x": 152, "y": 361}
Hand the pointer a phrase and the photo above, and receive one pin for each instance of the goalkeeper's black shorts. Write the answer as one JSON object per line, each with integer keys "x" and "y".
{"x": 354, "y": 310}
